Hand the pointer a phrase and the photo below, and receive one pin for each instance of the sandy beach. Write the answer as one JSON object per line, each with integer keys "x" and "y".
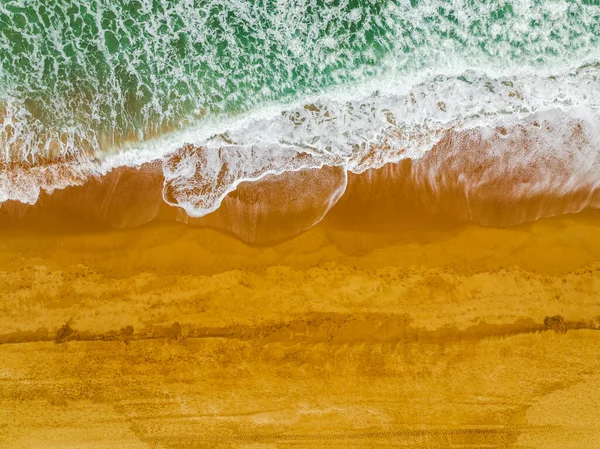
{"x": 348, "y": 335}
{"x": 299, "y": 224}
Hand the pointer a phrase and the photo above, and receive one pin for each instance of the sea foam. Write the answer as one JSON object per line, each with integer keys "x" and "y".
{"x": 228, "y": 92}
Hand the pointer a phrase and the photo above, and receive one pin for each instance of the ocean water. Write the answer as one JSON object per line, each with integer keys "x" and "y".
{"x": 228, "y": 91}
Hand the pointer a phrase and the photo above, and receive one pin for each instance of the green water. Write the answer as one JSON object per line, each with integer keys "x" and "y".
{"x": 87, "y": 68}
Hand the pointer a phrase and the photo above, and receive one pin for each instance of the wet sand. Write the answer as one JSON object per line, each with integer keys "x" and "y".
{"x": 295, "y": 315}
{"x": 348, "y": 335}
{"x": 500, "y": 180}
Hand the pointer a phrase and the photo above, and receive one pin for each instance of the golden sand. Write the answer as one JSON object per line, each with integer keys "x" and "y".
{"x": 170, "y": 336}
{"x": 397, "y": 321}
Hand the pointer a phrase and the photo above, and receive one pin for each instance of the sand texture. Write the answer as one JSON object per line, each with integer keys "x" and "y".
{"x": 170, "y": 336}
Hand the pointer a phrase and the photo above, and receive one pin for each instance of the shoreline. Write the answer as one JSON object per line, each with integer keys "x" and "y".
{"x": 316, "y": 224}
{"x": 461, "y": 179}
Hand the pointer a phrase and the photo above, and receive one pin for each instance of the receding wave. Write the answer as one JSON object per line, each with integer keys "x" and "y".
{"x": 544, "y": 166}
{"x": 492, "y": 106}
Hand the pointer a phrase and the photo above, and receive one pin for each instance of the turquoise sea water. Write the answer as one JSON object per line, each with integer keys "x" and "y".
{"x": 286, "y": 80}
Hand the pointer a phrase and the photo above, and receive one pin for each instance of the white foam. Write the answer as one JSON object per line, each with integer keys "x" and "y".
{"x": 357, "y": 127}
{"x": 367, "y": 132}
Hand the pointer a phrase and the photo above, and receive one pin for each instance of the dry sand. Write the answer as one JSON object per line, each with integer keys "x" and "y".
{"x": 169, "y": 336}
